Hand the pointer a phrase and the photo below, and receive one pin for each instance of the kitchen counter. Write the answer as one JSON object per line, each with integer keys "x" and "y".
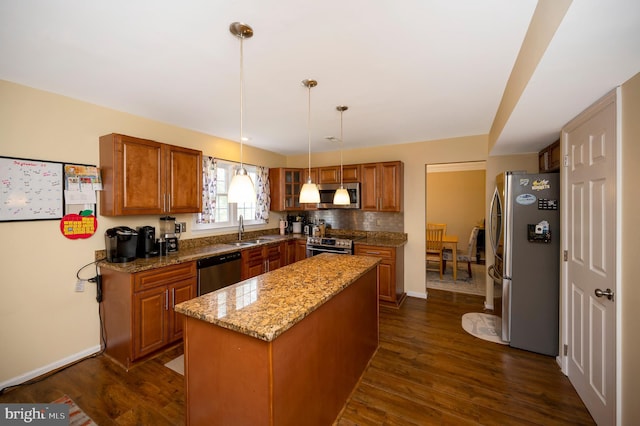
{"x": 266, "y": 306}
{"x": 287, "y": 345}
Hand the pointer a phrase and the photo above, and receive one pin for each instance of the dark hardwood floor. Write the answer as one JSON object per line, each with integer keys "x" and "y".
{"x": 427, "y": 370}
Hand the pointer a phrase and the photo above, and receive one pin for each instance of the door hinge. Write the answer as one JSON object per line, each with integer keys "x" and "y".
{"x": 565, "y": 161}
{"x": 565, "y": 255}
{"x": 565, "y": 350}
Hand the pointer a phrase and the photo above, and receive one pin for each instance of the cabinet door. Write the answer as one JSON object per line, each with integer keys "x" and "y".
{"x": 329, "y": 174}
{"x": 369, "y": 187}
{"x": 289, "y": 252}
{"x": 351, "y": 173}
{"x": 252, "y": 263}
{"x": 132, "y": 176}
{"x": 149, "y": 321}
{"x": 301, "y": 250}
{"x": 274, "y": 257}
{"x": 178, "y": 293}
{"x": 390, "y": 186}
{"x": 184, "y": 180}
{"x": 386, "y": 274}
{"x": 285, "y": 188}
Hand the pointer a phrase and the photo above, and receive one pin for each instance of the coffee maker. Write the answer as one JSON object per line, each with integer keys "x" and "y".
{"x": 168, "y": 234}
{"x": 147, "y": 246}
{"x": 120, "y": 243}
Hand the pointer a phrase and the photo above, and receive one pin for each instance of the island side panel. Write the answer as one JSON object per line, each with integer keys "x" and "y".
{"x": 318, "y": 362}
{"x": 227, "y": 376}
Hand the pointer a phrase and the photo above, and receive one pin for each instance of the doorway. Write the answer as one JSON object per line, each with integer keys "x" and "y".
{"x": 455, "y": 196}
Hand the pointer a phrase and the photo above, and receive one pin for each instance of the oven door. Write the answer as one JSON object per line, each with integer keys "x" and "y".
{"x": 313, "y": 250}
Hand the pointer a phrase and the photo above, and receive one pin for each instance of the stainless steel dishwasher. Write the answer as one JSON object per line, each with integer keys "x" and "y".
{"x": 216, "y": 272}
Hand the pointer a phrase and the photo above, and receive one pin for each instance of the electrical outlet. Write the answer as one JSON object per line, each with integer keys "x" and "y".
{"x": 80, "y": 285}
{"x": 182, "y": 226}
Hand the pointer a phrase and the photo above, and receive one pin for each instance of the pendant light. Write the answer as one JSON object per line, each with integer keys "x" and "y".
{"x": 341, "y": 197}
{"x": 241, "y": 189}
{"x": 309, "y": 191}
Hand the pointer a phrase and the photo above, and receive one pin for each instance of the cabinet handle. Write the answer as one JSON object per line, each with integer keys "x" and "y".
{"x": 373, "y": 252}
{"x": 168, "y": 202}
{"x": 173, "y": 297}
{"x": 166, "y": 300}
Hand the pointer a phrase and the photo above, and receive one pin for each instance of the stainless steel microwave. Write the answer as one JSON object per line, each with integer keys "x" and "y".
{"x": 328, "y": 190}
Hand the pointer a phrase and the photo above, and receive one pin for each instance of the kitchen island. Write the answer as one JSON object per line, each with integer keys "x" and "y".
{"x": 284, "y": 348}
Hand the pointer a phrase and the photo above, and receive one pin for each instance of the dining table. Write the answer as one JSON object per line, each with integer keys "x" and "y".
{"x": 451, "y": 242}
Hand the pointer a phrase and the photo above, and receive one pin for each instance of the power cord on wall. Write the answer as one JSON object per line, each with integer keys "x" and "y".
{"x": 103, "y": 341}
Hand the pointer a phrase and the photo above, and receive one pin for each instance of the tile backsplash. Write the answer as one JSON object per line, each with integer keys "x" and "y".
{"x": 358, "y": 220}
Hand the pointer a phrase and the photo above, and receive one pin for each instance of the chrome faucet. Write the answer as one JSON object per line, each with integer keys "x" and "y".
{"x": 240, "y": 227}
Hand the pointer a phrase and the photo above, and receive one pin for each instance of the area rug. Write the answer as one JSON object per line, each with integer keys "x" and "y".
{"x": 483, "y": 326}
{"x": 77, "y": 417}
{"x": 176, "y": 364}
{"x": 463, "y": 284}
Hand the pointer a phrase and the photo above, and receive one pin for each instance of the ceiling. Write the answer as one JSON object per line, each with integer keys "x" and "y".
{"x": 409, "y": 71}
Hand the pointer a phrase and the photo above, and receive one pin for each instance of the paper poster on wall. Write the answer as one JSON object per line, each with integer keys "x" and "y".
{"x": 30, "y": 189}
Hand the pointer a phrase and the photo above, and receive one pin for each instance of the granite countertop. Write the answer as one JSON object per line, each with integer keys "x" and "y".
{"x": 266, "y": 306}
{"x": 195, "y": 249}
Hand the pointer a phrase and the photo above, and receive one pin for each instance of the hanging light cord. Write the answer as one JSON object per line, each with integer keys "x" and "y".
{"x": 241, "y": 95}
{"x": 341, "y": 140}
{"x": 309, "y": 131}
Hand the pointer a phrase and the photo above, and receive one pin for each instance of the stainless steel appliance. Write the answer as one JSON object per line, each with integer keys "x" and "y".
{"x": 328, "y": 190}
{"x": 525, "y": 235}
{"x": 318, "y": 245}
{"x": 121, "y": 243}
{"x": 217, "y": 272}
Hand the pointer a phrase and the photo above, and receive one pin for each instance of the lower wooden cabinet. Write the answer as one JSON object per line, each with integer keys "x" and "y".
{"x": 138, "y": 309}
{"x": 258, "y": 260}
{"x": 301, "y": 250}
{"x": 390, "y": 272}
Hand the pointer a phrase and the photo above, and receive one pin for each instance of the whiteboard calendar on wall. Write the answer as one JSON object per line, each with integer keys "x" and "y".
{"x": 30, "y": 189}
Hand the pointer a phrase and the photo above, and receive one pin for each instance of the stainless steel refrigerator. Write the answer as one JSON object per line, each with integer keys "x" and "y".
{"x": 525, "y": 235}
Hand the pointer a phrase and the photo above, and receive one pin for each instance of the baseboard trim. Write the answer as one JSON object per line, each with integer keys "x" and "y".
{"x": 50, "y": 367}
{"x": 416, "y": 294}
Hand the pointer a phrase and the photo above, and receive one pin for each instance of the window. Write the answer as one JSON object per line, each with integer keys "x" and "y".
{"x": 217, "y": 211}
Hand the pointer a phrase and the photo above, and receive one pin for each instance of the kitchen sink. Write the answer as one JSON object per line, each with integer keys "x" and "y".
{"x": 242, "y": 243}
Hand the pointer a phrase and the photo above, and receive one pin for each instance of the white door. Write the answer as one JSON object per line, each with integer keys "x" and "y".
{"x": 590, "y": 191}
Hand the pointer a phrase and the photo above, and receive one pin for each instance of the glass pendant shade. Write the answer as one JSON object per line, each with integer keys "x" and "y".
{"x": 341, "y": 197}
{"x": 241, "y": 189}
{"x": 309, "y": 193}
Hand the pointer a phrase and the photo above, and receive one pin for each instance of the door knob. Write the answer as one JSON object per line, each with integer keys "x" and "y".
{"x": 607, "y": 292}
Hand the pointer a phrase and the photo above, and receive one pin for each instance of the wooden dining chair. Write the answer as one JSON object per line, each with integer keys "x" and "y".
{"x": 443, "y": 226}
{"x": 434, "y": 249}
{"x": 468, "y": 255}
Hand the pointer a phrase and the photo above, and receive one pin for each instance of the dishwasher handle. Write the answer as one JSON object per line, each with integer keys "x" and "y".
{"x": 218, "y": 260}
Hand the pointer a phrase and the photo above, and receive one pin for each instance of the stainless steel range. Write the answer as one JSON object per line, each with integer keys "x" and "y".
{"x": 317, "y": 245}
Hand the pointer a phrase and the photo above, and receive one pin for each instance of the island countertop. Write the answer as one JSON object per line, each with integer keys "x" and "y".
{"x": 266, "y": 306}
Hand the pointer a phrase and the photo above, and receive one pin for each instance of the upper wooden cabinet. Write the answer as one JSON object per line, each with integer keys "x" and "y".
{"x": 142, "y": 176}
{"x": 382, "y": 186}
{"x": 285, "y": 188}
{"x": 350, "y": 173}
{"x": 549, "y": 158}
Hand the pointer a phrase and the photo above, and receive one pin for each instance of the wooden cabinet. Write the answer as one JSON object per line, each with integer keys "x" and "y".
{"x": 329, "y": 174}
{"x": 285, "y": 188}
{"x": 390, "y": 272}
{"x": 258, "y": 260}
{"x": 142, "y": 176}
{"x": 549, "y": 159}
{"x": 301, "y": 250}
{"x": 138, "y": 309}
{"x": 382, "y": 186}
{"x": 350, "y": 173}
{"x": 289, "y": 252}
